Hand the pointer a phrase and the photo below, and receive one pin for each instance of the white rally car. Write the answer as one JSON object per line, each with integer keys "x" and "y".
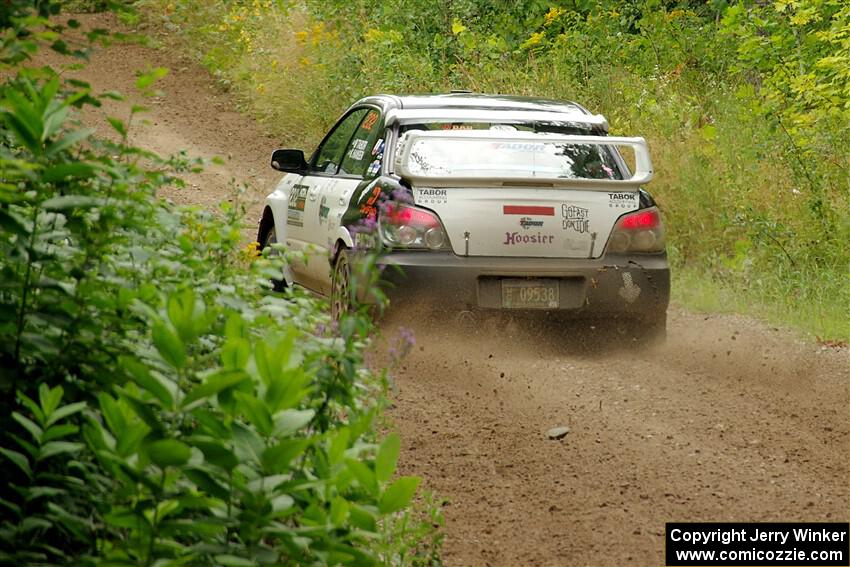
{"x": 483, "y": 202}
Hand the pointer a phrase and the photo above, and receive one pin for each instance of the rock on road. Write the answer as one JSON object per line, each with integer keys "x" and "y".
{"x": 732, "y": 420}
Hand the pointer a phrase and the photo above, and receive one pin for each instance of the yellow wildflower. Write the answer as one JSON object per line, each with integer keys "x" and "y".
{"x": 553, "y": 14}
{"x": 373, "y": 35}
{"x": 301, "y": 37}
{"x": 535, "y": 39}
{"x": 251, "y": 251}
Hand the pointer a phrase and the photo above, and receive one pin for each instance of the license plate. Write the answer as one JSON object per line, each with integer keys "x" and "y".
{"x": 530, "y": 294}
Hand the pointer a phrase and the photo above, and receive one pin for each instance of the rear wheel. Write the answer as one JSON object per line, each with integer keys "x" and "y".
{"x": 278, "y": 285}
{"x": 341, "y": 292}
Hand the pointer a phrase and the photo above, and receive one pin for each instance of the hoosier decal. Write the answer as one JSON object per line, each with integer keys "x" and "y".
{"x": 514, "y": 238}
{"x": 575, "y": 218}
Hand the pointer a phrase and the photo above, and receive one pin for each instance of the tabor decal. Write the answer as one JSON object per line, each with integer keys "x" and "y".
{"x": 622, "y": 200}
{"x": 431, "y": 197}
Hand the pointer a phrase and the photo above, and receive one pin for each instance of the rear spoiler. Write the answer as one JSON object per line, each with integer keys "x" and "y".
{"x": 643, "y": 164}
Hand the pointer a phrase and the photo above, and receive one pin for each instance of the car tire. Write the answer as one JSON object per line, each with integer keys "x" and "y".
{"x": 341, "y": 292}
{"x": 278, "y": 285}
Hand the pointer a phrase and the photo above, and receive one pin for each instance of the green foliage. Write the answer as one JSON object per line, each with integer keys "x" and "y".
{"x": 160, "y": 405}
{"x": 744, "y": 105}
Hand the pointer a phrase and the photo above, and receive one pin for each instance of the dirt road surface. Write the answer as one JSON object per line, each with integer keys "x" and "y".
{"x": 732, "y": 420}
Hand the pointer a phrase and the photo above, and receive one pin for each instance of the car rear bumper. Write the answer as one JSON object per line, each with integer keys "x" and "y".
{"x": 631, "y": 285}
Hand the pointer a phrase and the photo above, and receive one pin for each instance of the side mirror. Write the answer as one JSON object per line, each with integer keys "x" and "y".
{"x": 291, "y": 161}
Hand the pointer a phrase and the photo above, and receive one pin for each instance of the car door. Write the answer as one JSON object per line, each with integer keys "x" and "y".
{"x": 362, "y": 161}
{"x": 309, "y": 235}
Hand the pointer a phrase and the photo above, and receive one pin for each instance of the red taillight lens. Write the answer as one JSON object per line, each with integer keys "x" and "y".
{"x": 640, "y": 231}
{"x": 411, "y": 227}
{"x": 403, "y": 215}
{"x": 646, "y": 219}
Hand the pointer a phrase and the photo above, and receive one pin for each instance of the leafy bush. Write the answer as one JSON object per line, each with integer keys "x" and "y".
{"x": 744, "y": 105}
{"x": 160, "y": 405}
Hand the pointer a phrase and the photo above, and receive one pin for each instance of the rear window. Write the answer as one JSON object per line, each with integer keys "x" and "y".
{"x": 471, "y": 157}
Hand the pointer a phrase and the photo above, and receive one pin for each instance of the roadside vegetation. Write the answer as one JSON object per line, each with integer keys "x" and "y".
{"x": 158, "y": 405}
{"x": 746, "y": 107}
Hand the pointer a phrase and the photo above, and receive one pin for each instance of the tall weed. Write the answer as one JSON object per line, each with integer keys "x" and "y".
{"x": 159, "y": 405}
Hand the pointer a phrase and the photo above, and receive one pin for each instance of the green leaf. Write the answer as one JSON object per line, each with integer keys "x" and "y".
{"x": 129, "y": 440}
{"x": 398, "y": 494}
{"x": 65, "y": 202}
{"x": 169, "y": 345}
{"x": 42, "y": 491}
{"x": 337, "y": 446}
{"x": 61, "y": 172}
{"x": 214, "y": 452}
{"x": 281, "y": 504}
{"x": 34, "y": 430}
{"x": 287, "y": 389}
{"x": 168, "y": 452}
{"x": 49, "y": 398}
{"x": 18, "y": 459}
{"x": 215, "y": 383}
{"x": 385, "y": 461}
{"x": 247, "y": 444}
{"x": 144, "y": 378}
{"x": 234, "y": 561}
{"x": 289, "y": 421}
{"x": 235, "y": 354}
{"x": 146, "y": 413}
{"x": 67, "y": 141}
{"x": 187, "y": 313}
{"x": 339, "y": 511}
{"x": 112, "y": 414}
{"x": 364, "y": 475}
{"x": 256, "y": 412}
{"x": 59, "y": 447}
{"x": 125, "y": 518}
{"x": 30, "y": 524}
{"x": 207, "y": 483}
{"x": 362, "y": 518}
{"x": 147, "y": 79}
{"x": 34, "y": 408}
{"x": 59, "y": 431}
{"x": 276, "y": 459}
{"x": 65, "y": 411}
{"x": 11, "y": 506}
{"x": 118, "y": 125}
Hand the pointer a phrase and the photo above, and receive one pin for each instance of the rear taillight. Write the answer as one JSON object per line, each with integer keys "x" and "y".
{"x": 640, "y": 231}
{"x": 411, "y": 227}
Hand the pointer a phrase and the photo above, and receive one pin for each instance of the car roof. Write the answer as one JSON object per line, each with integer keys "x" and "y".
{"x": 473, "y": 101}
{"x": 456, "y": 105}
